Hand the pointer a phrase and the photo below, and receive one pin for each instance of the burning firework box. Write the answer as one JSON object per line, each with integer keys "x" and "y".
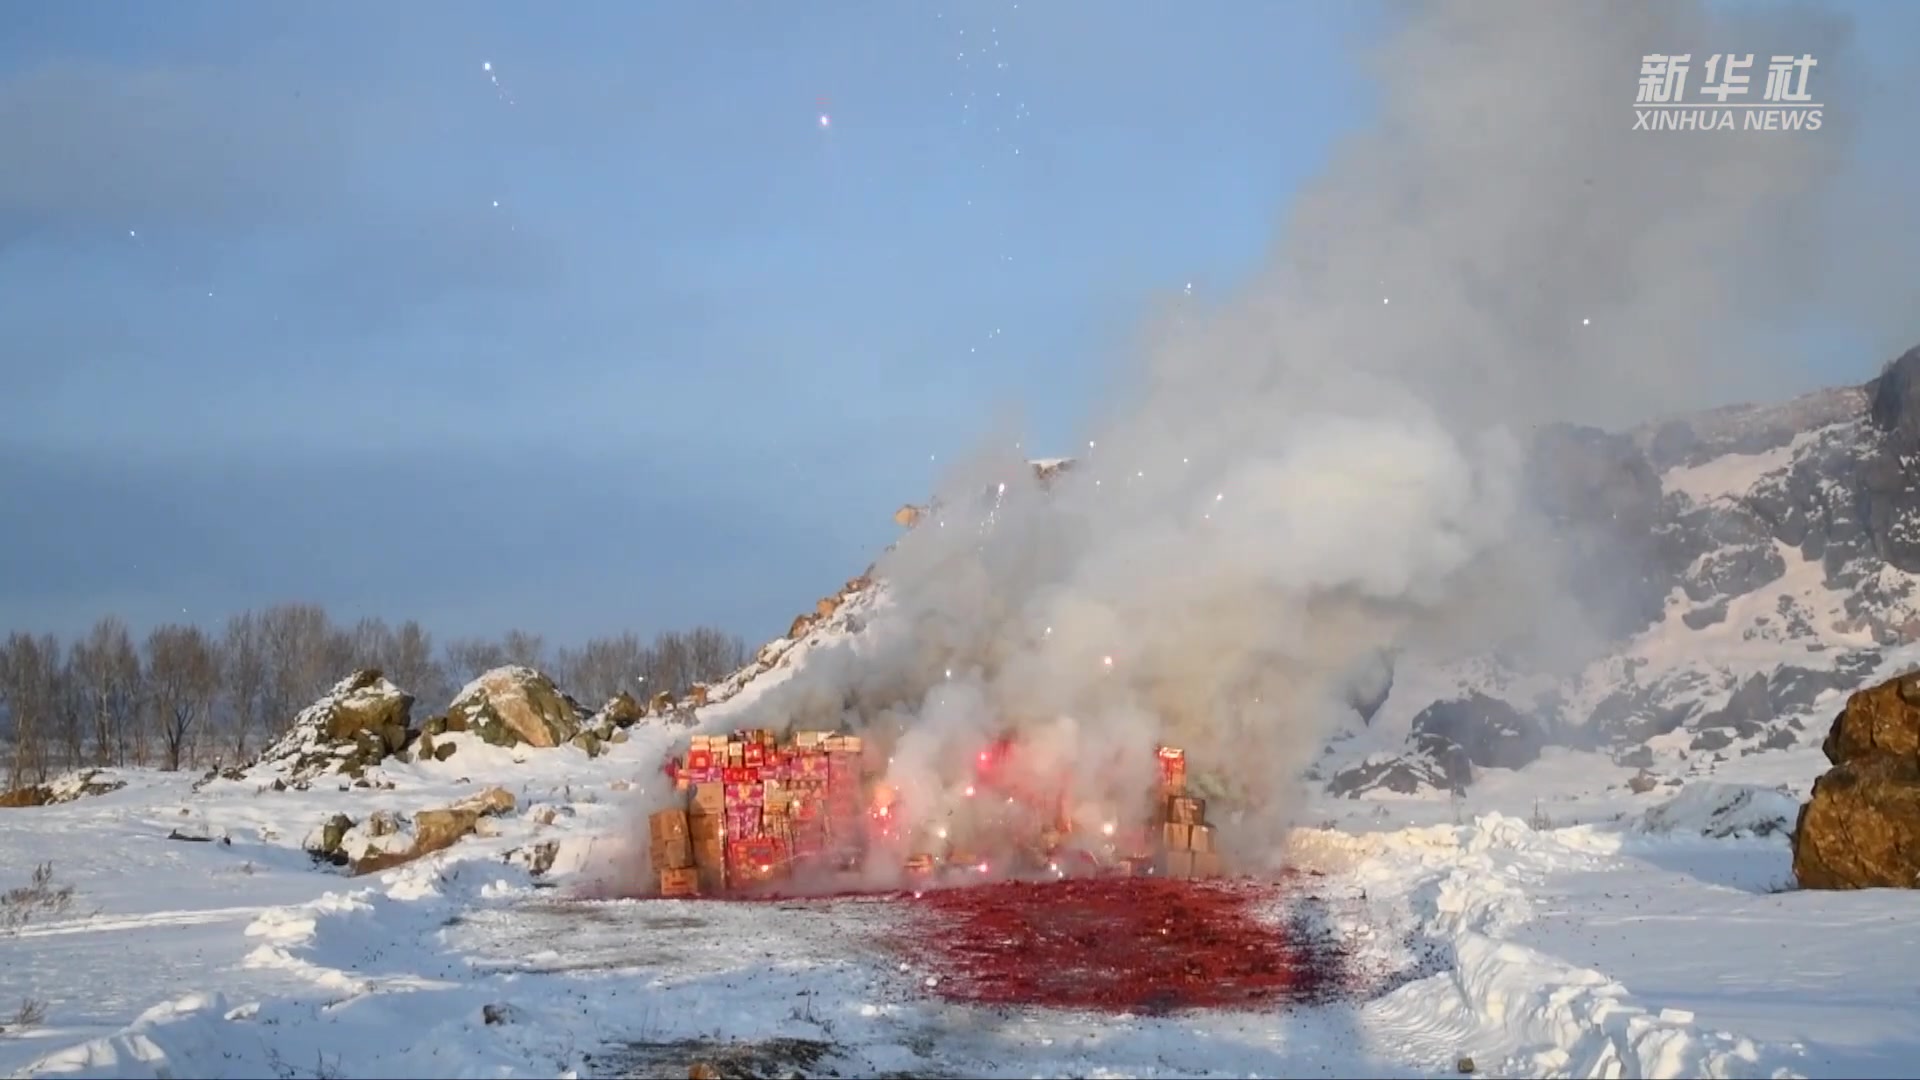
{"x": 1183, "y": 810}
{"x": 1206, "y": 864}
{"x": 709, "y": 797}
{"x": 1177, "y": 864}
{"x": 671, "y": 852}
{"x": 680, "y": 882}
{"x": 807, "y": 841}
{"x": 1175, "y": 836}
{"x": 756, "y": 859}
{"x": 1202, "y": 838}
{"x": 809, "y": 766}
{"x": 744, "y": 822}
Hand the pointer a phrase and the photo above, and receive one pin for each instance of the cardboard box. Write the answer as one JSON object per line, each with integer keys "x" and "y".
{"x": 709, "y": 852}
{"x": 671, "y": 852}
{"x": 1201, "y": 838}
{"x": 712, "y": 877}
{"x": 1175, "y": 836}
{"x": 668, "y": 823}
{"x": 1177, "y": 864}
{"x": 1206, "y": 864}
{"x": 709, "y": 797}
{"x": 705, "y": 827}
{"x": 680, "y": 882}
{"x": 1185, "y": 810}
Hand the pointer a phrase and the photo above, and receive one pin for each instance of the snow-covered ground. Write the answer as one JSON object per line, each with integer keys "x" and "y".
{"x": 1550, "y": 922}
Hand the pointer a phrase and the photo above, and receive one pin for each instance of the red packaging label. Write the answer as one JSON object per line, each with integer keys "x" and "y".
{"x": 756, "y": 756}
{"x": 699, "y": 760}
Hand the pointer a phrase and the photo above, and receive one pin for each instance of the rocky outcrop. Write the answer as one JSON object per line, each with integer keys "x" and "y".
{"x": 80, "y": 784}
{"x": 353, "y": 727}
{"x": 1861, "y": 827}
{"x": 1404, "y": 774}
{"x": 386, "y": 839}
{"x": 1484, "y": 730}
{"x": 514, "y": 706}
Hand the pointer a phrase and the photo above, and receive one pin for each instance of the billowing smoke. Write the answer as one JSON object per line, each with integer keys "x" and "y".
{"x": 1333, "y": 462}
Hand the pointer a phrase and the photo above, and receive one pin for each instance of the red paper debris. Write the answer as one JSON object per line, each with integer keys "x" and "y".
{"x": 1118, "y": 944}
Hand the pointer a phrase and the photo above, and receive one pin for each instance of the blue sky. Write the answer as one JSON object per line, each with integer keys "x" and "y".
{"x": 268, "y": 337}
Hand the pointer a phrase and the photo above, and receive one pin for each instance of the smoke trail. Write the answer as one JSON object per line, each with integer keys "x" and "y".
{"x": 1333, "y": 462}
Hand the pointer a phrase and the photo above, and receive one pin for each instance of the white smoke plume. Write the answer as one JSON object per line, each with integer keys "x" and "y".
{"x": 1332, "y": 462}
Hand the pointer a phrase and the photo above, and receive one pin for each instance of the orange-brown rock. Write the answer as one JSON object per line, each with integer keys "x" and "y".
{"x": 827, "y": 606}
{"x": 1860, "y": 829}
{"x": 801, "y": 624}
{"x": 1880, "y": 721}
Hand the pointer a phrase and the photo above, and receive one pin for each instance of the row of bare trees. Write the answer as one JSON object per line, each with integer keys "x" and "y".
{"x": 184, "y": 696}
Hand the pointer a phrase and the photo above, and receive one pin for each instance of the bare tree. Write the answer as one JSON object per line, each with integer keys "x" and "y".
{"x": 370, "y": 642}
{"x": 672, "y": 662}
{"x": 409, "y": 663}
{"x": 184, "y": 675}
{"x": 714, "y": 654}
{"x": 69, "y": 710}
{"x": 603, "y": 667}
{"x": 296, "y": 639}
{"x": 525, "y": 649}
{"x": 108, "y": 669}
{"x": 29, "y": 672}
{"x": 468, "y": 658}
{"x": 243, "y": 669}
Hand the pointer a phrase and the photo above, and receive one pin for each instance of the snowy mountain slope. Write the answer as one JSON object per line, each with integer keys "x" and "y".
{"x": 1757, "y": 563}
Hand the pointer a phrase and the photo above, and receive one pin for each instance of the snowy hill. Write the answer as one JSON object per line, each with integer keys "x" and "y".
{"x": 1755, "y": 564}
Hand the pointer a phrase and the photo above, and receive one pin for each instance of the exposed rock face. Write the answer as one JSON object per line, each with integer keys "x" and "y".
{"x": 353, "y": 727}
{"x": 1861, "y": 828}
{"x": 515, "y": 705}
{"x": 1404, "y": 774}
{"x": 1488, "y": 732}
{"x": 384, "y": 841}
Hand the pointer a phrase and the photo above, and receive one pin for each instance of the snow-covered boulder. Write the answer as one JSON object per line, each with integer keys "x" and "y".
{"x": 67, "y": 787}
{"x": 1724, "y": 810}
{"x": 353, "y": 727}
{"x": 516, "y": 705}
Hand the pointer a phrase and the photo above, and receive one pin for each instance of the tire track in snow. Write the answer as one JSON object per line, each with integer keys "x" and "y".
{"x": 109, "y": 923}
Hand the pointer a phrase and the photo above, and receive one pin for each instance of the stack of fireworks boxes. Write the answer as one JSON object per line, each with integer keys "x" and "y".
{"x": 1185, "y": 848}
{"x": 756, "y": 810}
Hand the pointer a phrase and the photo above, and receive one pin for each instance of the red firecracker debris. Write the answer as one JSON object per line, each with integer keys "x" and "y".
{"x": 1145, "y": 945}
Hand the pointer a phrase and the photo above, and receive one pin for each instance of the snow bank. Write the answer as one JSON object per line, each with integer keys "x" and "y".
{"x": 1724, "y": 810}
